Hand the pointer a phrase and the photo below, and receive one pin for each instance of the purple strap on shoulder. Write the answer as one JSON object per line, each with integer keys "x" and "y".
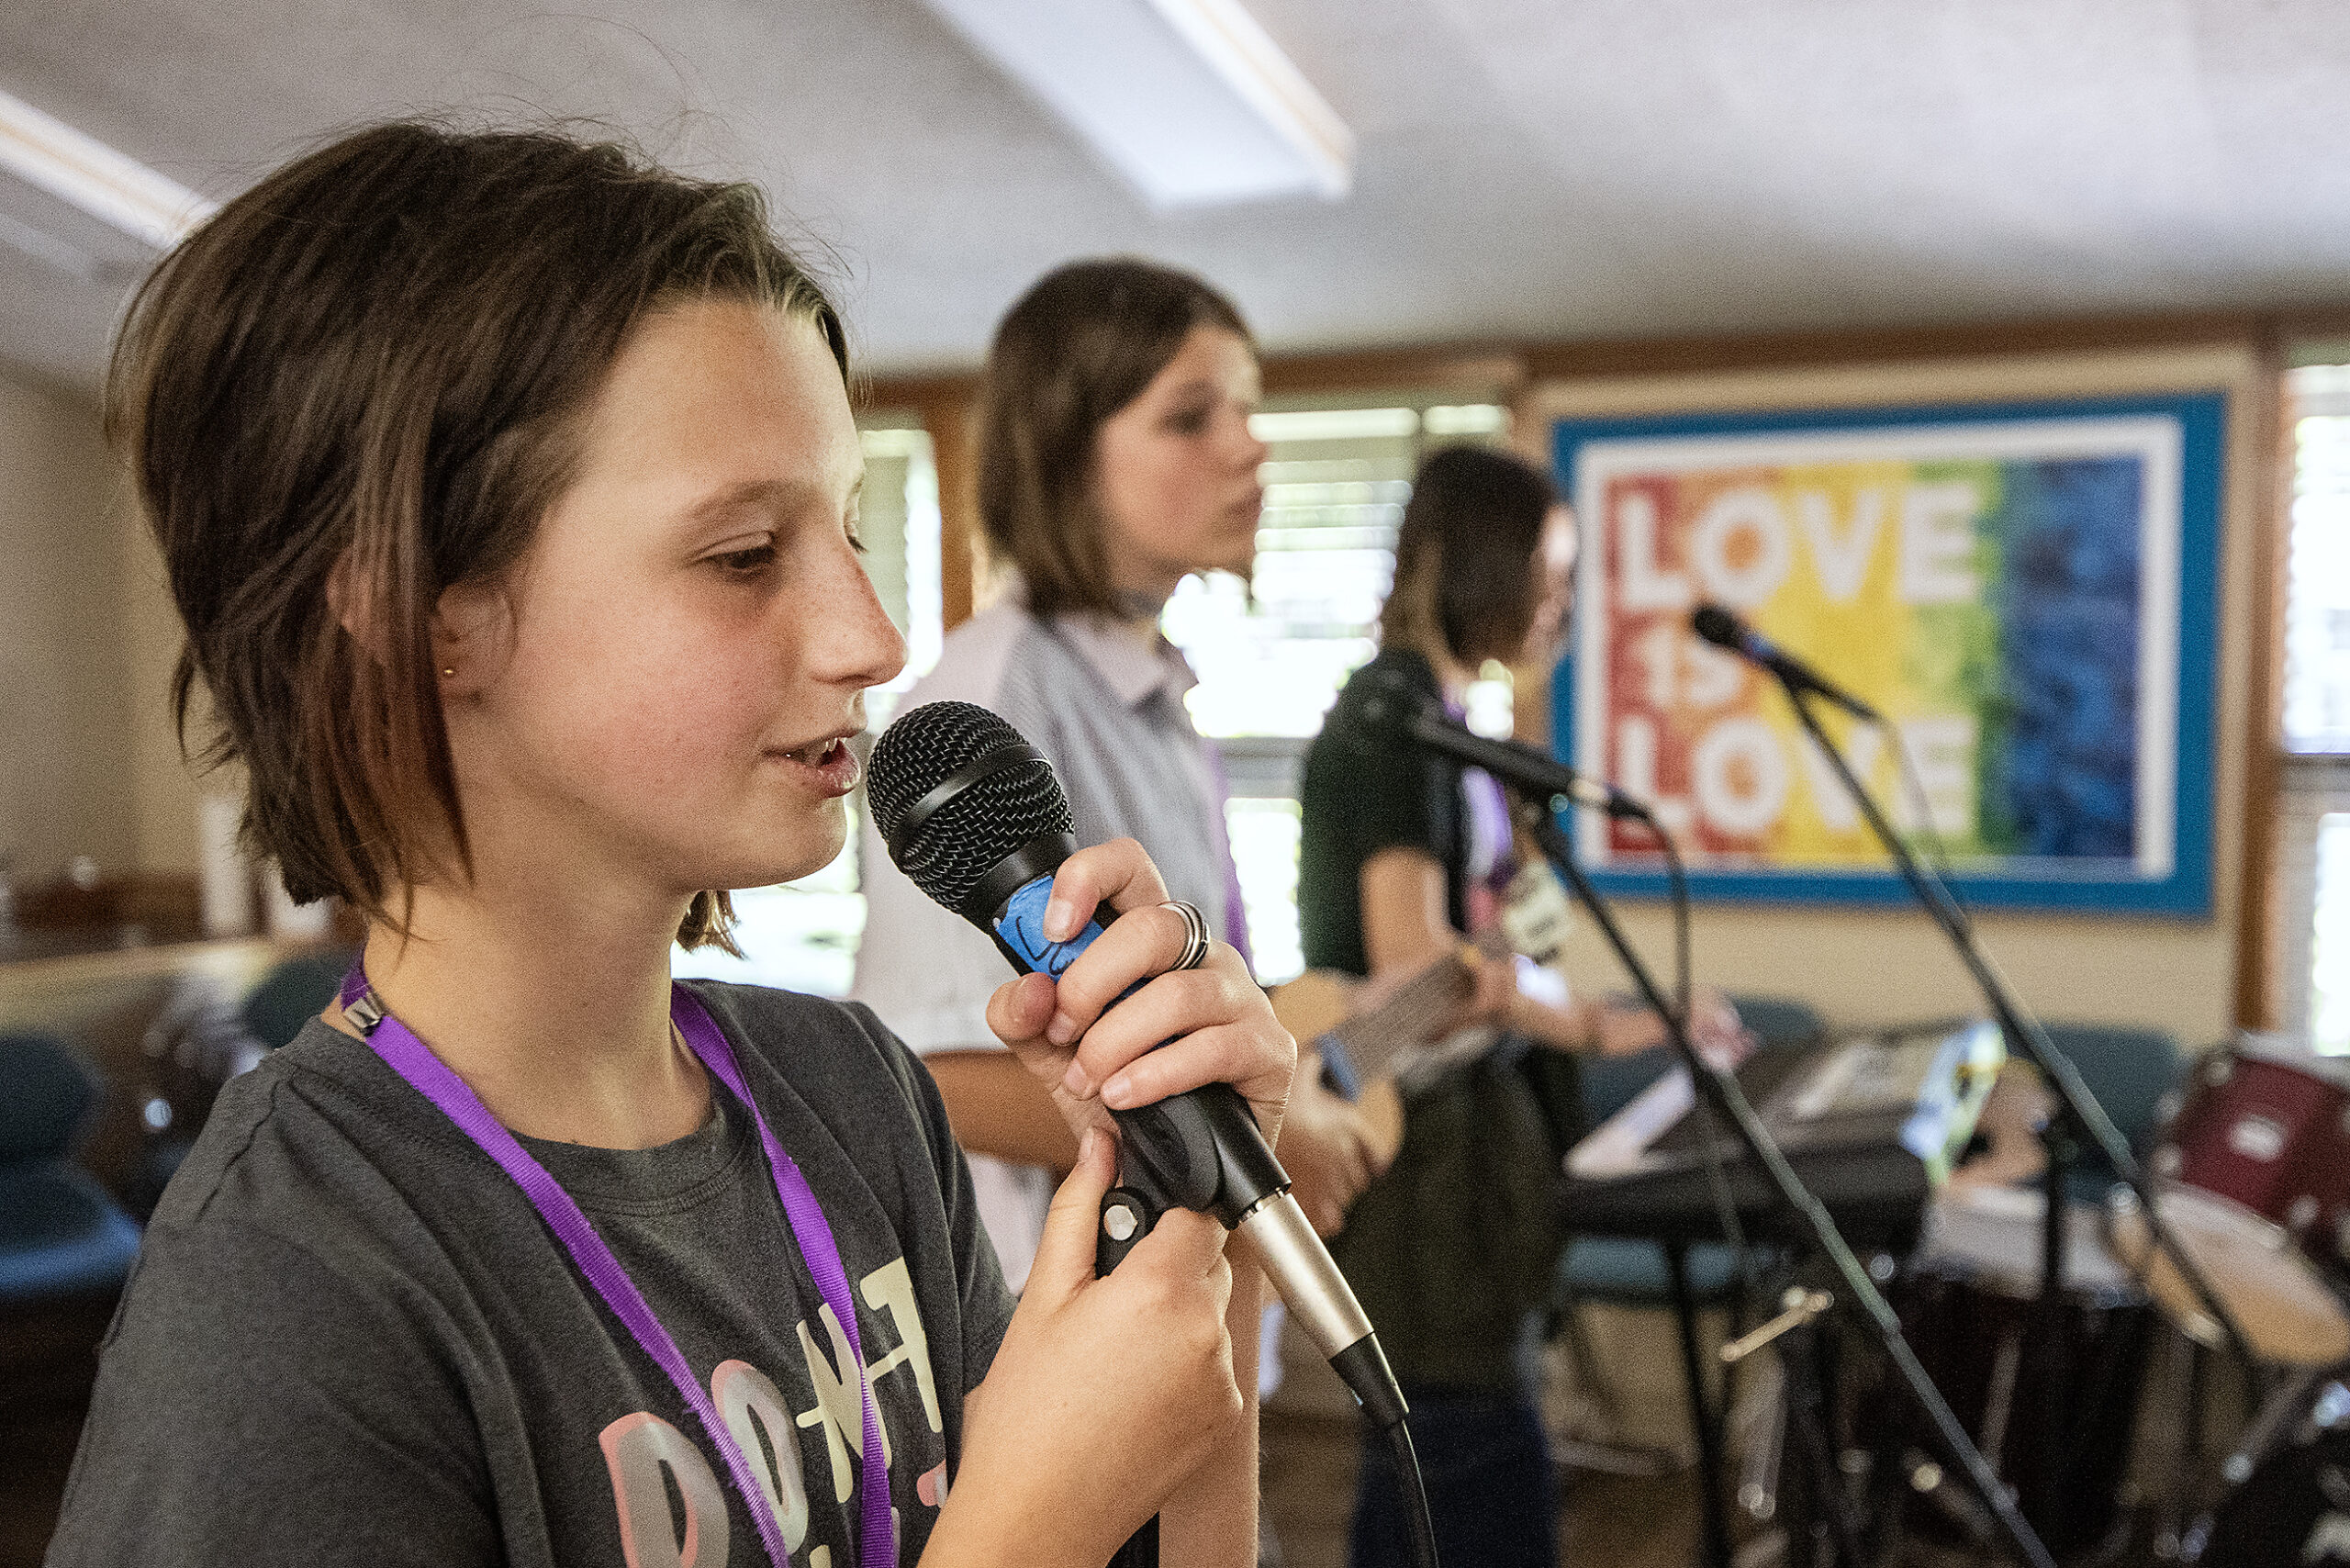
{"x": 1236, "y": 909}
{"x": 433, "y": 1078}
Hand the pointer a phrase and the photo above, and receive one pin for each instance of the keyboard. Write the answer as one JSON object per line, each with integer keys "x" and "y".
{"x": 1872, "y": 1123}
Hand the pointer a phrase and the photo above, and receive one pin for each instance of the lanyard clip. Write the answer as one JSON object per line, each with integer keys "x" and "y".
{"x": 365, "y": 1012}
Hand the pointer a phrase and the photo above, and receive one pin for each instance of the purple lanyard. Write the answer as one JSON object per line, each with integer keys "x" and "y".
{"x": 431, "y": 1076}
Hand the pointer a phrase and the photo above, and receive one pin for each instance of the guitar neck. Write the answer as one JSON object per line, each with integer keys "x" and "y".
{"x": 1418, "y": 1012}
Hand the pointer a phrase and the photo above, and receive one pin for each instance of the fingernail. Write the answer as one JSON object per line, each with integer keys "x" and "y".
{"x": 1085, "y": 1143}
{"x": 1062, "y": 1030}
{"x": 1060, "y": 920}
{"x": 1118, "y": 1091}
{"x": 1075, "y": 1083}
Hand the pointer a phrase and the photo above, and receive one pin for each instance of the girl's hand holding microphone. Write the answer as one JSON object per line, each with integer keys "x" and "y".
{"x": 1108, "y": 1394}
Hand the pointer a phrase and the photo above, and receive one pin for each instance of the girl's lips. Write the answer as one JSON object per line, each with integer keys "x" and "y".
{"x": 828, "y": 767}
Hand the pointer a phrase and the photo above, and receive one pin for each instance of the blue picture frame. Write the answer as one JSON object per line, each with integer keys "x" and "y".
{"x": 2186, "y": 890}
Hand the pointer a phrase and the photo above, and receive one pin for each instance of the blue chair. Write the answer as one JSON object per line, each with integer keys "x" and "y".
{"x": 1610, "y": 1083}
{"x": 2129, "y": 1070}
{"x": 61, "y": 1233}
{"x": 295, "y": 990}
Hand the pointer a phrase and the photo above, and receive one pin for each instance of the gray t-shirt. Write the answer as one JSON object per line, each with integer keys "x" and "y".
{"x": 350, "y": 1338}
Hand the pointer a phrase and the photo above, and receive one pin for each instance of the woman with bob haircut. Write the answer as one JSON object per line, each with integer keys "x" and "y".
{"x": 1403, "y": 856}
{"x": 508, "y": 490}
{"x": 1114, "y": 460}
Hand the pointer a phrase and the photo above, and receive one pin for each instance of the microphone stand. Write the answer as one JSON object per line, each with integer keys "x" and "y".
{"x": 1725, "y": 1098}
{"x": 2077, "y": 1106}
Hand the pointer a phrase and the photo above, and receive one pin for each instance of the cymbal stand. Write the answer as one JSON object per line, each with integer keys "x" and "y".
{"x": 1824, "y": 1513}
{"x": 1722, "y": 1095}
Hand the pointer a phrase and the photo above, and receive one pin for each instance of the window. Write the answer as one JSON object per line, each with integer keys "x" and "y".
{"x": 1271, "y": 654}
{"x": 2317, "y": 615}
{"x": 803, "y": 936}
{"x": 2313, "y": 861}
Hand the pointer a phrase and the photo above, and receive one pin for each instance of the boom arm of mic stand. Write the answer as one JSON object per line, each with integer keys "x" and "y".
{"x": 2020, "y": 1027}
{"x": 1721, "y": 1093}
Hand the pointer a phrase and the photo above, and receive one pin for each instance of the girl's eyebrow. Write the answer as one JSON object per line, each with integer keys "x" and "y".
{"x": 777, "y": 498}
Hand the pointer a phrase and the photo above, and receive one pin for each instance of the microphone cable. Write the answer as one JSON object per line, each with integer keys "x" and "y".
{"x": 1677, "y": 876}
{"x": 1419, "y": 1528}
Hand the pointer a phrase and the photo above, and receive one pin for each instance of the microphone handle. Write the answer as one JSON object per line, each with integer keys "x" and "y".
{"x": 1201, "y": 1150}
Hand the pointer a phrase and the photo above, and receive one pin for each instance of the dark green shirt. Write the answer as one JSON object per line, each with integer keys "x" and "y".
{"x": 1366, "y": 789}
{"x": 1452, "y": 1250}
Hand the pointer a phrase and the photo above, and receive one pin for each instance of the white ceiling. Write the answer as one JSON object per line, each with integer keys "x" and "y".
{"x": 1551, "y": 168}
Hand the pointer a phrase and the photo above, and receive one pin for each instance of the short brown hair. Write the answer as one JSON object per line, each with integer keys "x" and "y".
{"x": 1080, "y": 345}
{"x": 366, "y": 372}
{"x": 1465, "y": 583}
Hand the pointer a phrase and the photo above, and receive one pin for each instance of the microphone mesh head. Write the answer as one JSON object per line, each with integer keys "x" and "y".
{"x": 1717, "y": 626}
{"x": 973, "y": 831}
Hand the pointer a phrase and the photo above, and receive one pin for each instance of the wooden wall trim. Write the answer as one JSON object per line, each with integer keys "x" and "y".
{"x": 1495, "y": 371}
{"x": 1502, "y": 370}
{"x": 2256, "y": 948}
{"x": 952, "y": 448}
{"x": 1653, "y": 357}
{"x": 879, "y": 394}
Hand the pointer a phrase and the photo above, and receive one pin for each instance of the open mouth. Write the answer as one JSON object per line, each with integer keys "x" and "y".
{"x": 821, "y": 754}
{"x": 831, "y": 768}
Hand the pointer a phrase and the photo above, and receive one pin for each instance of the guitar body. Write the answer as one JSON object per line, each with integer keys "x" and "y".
{"x": 1314, "y": 1003}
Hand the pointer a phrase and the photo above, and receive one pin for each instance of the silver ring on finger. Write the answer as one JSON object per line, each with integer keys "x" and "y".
{"x": 1196, "y": 936}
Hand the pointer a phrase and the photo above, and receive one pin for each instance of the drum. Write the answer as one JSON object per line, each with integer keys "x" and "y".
{"x": 2295, "y": 1507}
{"x": 2252, "y": 1174}
{"x": 2050, "y": 1397}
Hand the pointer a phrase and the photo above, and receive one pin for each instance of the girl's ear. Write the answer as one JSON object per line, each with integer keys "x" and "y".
{"x": 469, "y": 624}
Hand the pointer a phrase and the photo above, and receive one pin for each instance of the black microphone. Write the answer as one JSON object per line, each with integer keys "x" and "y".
{"x": 1394, "y": 703}
{"x": 975, "y": 817}
{"x": 1724, "y": 630}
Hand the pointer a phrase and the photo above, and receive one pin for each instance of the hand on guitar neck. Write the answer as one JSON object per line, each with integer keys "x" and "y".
{"x": 1382, "y": 1025}
{"x": 1379, "y": 1025}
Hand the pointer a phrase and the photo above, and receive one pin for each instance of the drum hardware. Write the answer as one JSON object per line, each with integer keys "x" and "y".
{"x": 2293, "y": 1397}
{"x": 1826, "y": 1521}
{"x": 1764, "y": 1432}
{"x": 2047, "y": 1386}
{"x": 2179, "y": 1441}
{"x": 2292, "y": 1505}
{"x": 1798, "y": 1306}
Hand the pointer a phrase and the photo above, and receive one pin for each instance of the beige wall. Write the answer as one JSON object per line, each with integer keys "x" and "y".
{"x": 1888, "y": 965}
{"x": 88, "y": 761}
{"x": 64, "y": 726}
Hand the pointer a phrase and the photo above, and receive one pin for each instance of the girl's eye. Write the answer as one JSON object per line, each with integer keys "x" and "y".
{"x": 855, "y": 537}
{"x": 748, "y": 562}
{"x": 1187, "y": 421}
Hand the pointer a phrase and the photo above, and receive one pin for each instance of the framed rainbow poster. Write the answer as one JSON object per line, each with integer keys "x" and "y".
{"x": 2027, "y": 592}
